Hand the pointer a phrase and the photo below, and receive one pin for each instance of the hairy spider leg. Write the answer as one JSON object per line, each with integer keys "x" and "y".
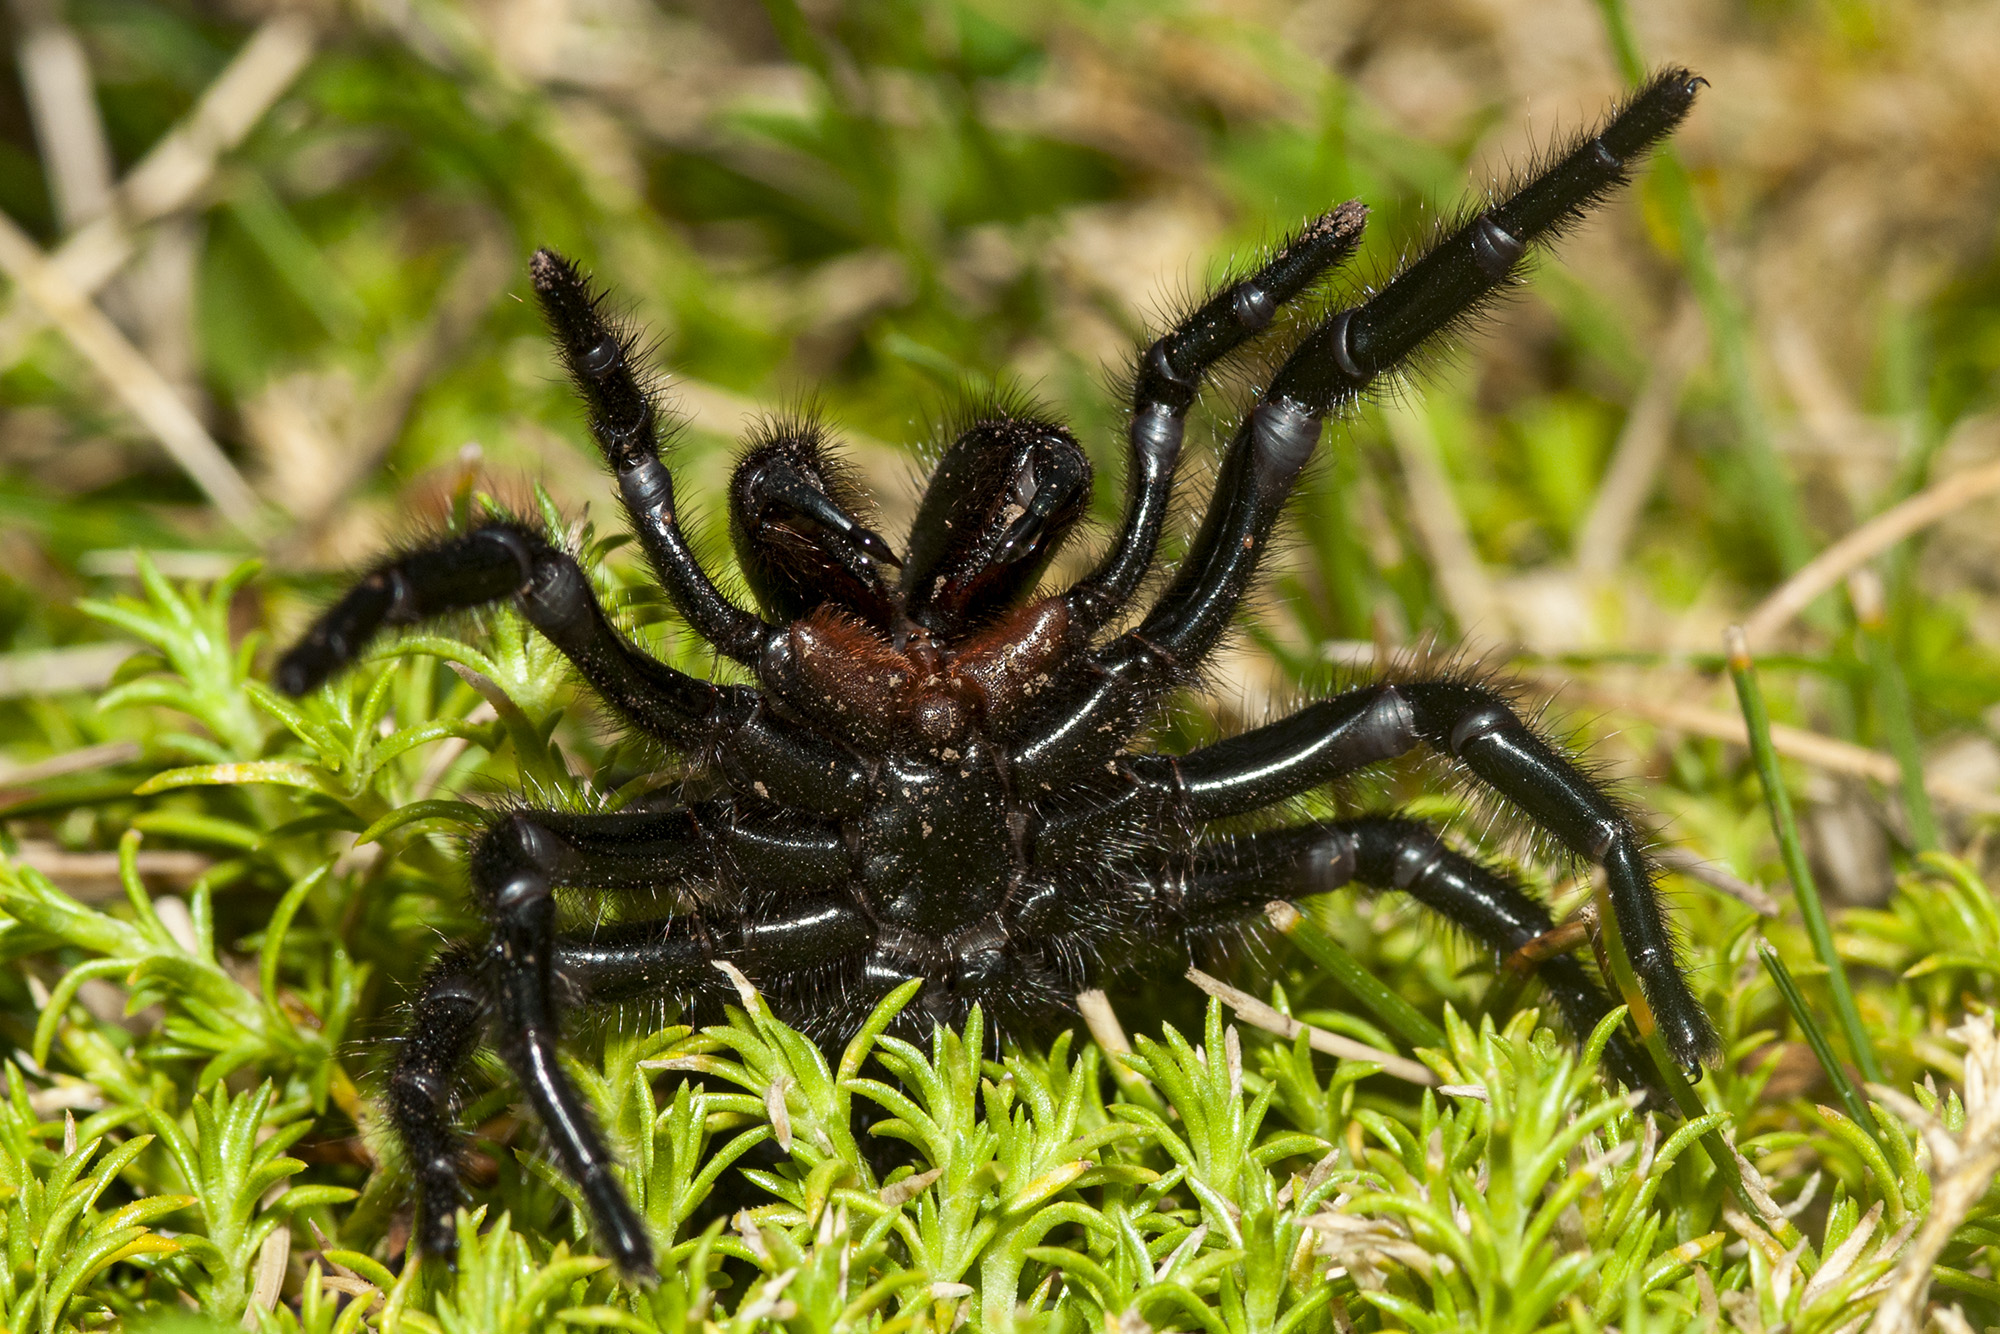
{"x": 1167, "y": 380}
{"x": 625, "y": 422}
{"x": 717, "y": 845}
{"x": 1328, "y": 372}
{"x": 1233, "y": 878}
{"x": 528, "y": 1031}
{"x": 756, "y": 751}
{"x": 514, "y": 866}
{"x": 1476, "y": 726}
{"x": 1334, "y": 364}
{"x": 445, "y": 1019}
{"x": 496, "y": 560}
{"x": 528, "y": 972}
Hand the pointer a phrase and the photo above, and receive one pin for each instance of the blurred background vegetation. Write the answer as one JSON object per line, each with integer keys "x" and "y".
{"x": 265, "y": 270}
{"x": 311, "y": 225}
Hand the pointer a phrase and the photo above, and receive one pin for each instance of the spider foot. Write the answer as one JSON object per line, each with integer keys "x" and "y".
{"x": 619, "y": 1228}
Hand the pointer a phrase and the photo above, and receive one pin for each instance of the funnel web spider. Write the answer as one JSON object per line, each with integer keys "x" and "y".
{"x": 933, "y": 776}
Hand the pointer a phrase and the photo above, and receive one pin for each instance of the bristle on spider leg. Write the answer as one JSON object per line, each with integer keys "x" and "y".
{"x": 1471, "y": 262}
{"x": 625, "y": 416}
{"x": 604, "y": 359}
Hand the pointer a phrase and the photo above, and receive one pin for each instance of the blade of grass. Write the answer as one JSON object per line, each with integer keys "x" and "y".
{"x": 1779, "y": 802}
{"x": 1875, "y": 537}
{"x": 133, "y": 379}
{"x": 1728, "y": 325}
{"x": 1795, "y": 1001}
{"x": 1892, "y": 705}
{"x": 1403, "y": 1018}
{"x": 1619, "y": 965}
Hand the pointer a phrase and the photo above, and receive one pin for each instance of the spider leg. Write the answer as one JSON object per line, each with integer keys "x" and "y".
{"x": 1168, "y": 378}
{"x": 618, "y": 962}
{"x": 496, "y": 560}
{"x": 705, "y": 843}
{"x": 508, "y": 877}
{"x": 528, "y": 972}
{"x": 1230, "y": 880}
{"x": 625, "y": 422}
{"x": 1334, "y": 364}
{"x": 445, "y": 1019}
{"x": 1327, "y": 373}
{"x": 623, "y": 961}
{"x": 1476, "y": 726}
{"x": 502, "y": 559}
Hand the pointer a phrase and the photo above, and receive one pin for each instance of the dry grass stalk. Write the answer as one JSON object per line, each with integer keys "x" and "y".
{"x": 69, "y": 762}
{"x": 1102, "y": 1021}
{"x": 1696, "y": 867}
{"x": 175, "y": 170}
{"x": 1259, "y": 1015}
{"x": 315, "y": 454}
{"x": 1826, "y": 570}
{"x": 135, "y": 380}
{"x": 268, "y": 1278}
{"x": 1106, "y": 1030}
{"x": 62, "y": 103}
{"x": 1962, "y": 1168}
{"x": 1794, "y": 743}
{"x": 1439, "y": 522}
{"x": 92, "y": 877}
{"x": 1641, "y": 448}
{"x": 52, "y": 671}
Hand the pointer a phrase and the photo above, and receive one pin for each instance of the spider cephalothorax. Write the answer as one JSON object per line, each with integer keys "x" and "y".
{"x": 933, "y": 776}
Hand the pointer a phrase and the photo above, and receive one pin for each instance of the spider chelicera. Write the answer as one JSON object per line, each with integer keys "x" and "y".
{"x": 931, "y": 777}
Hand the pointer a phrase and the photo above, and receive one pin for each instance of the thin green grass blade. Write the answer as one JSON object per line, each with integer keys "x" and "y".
{"x": 1892, "y": 706}
{"x": 1795, "y": 1001}
{"x": 1399, "y": 1015}
{"x": 1619, "y": 965}
{"x": 1729, "y": 329}
{"x": 1757, "y": 720}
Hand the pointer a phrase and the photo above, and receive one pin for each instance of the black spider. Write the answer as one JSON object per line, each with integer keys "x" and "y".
{"x": 932, "y": 776}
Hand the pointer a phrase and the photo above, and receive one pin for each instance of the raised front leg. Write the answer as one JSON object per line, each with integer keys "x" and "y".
{"x": 1331, "y": 368}
{"x": 1335, "y": 364}
{"x": 1165, "y": 384}
{"x": 625, "y": 422}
